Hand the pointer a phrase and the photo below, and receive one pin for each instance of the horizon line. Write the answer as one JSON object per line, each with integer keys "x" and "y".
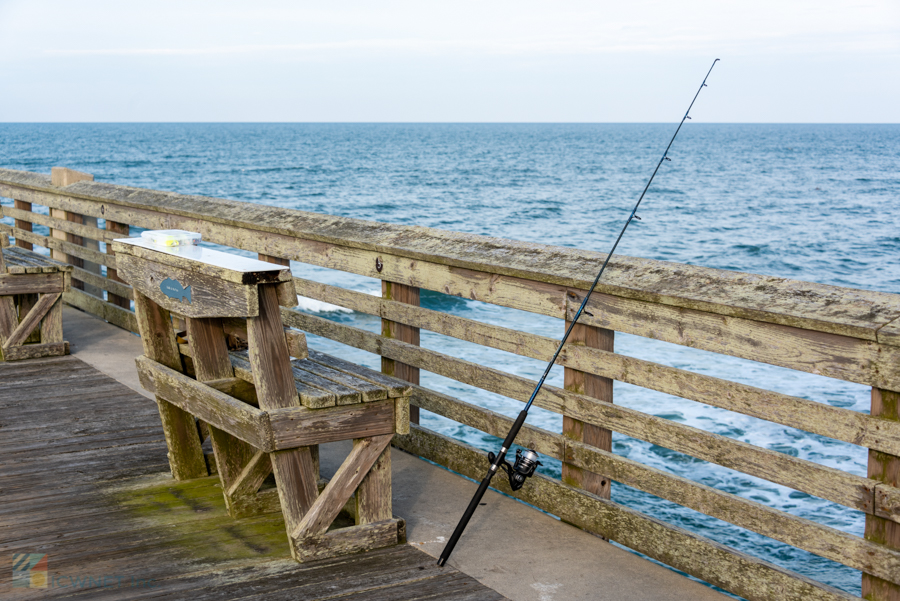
{"x": 444, "y": 122}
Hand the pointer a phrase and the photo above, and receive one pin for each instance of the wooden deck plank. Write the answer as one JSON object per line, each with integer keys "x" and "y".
{"x": 76, "y": 443}
{"x": 84, "y": 478}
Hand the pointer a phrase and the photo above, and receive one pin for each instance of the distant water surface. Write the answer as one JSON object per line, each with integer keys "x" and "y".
{"x": 808, "y": 202}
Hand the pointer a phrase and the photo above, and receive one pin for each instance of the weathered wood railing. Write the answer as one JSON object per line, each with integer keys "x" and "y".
{"x": 841, "y": 333}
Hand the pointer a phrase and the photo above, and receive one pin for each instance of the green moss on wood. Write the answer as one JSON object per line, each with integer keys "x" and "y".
{"x": 192, "y": 520}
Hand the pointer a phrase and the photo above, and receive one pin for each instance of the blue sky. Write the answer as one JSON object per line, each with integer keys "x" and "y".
{"x": 786, "y": 61}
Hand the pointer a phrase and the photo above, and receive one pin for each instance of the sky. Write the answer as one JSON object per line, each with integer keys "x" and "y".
{"x": 785, "y": 61}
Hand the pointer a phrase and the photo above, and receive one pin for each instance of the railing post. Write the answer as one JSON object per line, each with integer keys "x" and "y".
{"x": 884, "y": 468}
{"x": 23, "y": 225}
{"x": 111, "y": 274}
{"x": 275, "y": 260}
{"x": 90, "y": 266}
{"x": 62, "y": 177}
{"x": 26, "y": 301}
{"x": 592, "y": 386}
{"x": 185, "y": 453}
{"x": 402, "y": 332}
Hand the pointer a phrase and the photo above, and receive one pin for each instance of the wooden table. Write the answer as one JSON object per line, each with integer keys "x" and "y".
{"x": 31, "y": 289}
{"x": 265, "y": 413}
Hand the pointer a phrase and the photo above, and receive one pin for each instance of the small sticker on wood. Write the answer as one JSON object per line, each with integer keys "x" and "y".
{"x": 174, "y": 289}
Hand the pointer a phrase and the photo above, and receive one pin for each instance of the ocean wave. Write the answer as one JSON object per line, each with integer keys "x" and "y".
{"x": 311, "y": 305}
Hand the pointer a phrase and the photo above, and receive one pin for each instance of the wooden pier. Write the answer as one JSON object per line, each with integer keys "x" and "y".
{"x": 84, "y": 479}
{"x": 830, "y": 331}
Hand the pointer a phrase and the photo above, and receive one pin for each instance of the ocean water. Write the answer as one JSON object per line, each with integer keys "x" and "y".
{"x": 809, "y": 202}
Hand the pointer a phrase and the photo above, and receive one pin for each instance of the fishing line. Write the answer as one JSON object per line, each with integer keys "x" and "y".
{"x": 526, "y": 462}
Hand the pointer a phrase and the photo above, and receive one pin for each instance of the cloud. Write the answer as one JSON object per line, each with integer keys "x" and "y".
{"x": 766, "y": 43}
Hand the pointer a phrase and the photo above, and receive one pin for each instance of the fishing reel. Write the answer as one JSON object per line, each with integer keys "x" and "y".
{"x": 526, "y": 463}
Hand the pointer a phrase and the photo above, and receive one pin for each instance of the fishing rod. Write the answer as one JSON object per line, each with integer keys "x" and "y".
{"x": 526, "y": 462}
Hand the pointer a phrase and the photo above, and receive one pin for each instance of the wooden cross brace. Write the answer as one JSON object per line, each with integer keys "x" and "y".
{"x": 40, "y": 311}
{"x": 31, "y": 320}
{"x": 311, "y": 539}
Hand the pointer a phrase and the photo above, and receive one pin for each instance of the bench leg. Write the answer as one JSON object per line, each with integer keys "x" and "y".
{"x": 241, "y": 468}
{"x": 271, "y": 363}
{"x": 185, "y": 454}
{"x": 52, "y": 325}
{"x": 373, "y": 497}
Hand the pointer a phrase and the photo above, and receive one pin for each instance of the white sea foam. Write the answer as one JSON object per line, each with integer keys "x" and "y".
{"x": 316, "y": 306}
{"x": 312, "y": 305}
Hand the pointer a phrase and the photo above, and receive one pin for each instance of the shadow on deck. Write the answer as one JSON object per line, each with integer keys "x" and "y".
{"x": 84, "y": 480}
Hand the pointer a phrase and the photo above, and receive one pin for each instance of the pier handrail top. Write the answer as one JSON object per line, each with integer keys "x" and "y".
{"x": 862, "y": 314}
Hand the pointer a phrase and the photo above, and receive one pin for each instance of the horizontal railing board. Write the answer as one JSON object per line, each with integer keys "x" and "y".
{"x": 832, "y": 544}
{"x": 821, "y": 481}
{"x": 870, "y": 364}
{"x": 85, "y": 231}
{"x": 819, "y": 307}
{"x": 822, "y": 353}
{"x": 496, "y": 424}
{"x": 744, "y": 575}
{"x": 834, "y": 422}
{"x": 107, "y": 284}
{"x": 61, "y": 245}
{"x": 114, "y": 314}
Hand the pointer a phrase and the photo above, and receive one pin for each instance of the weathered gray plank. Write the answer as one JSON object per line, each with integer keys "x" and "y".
{"x": 300, "y": 426}
{"x": 31, "y": 321}
{"x": 336, "y": 494}
{"x": 218, "y": 409}
{"x": 70, "y": 227}
{"x": 395, "y": 387}
{"x": 209, "y": 296}
{"x": 36, "y": 283}
{"x": 105, "y": 283}
{"x": 60, "y": 245}
{"x": 275, "y": 388}
{"x": 35, "y": 351}
{"x": 367, "y": 390}
{"x": 310, "y": 396}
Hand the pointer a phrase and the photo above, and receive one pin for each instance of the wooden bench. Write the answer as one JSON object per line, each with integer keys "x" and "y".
{"x": 264, "y": 412}
{"x": 31, "y": 289}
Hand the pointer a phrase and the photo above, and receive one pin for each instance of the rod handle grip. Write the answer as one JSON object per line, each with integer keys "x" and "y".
{"x": 464, "y": 520}
{"x": 482, "y": 488}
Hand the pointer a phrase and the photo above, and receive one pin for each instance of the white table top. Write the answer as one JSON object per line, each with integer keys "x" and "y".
{"x": 207, "y": 256}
